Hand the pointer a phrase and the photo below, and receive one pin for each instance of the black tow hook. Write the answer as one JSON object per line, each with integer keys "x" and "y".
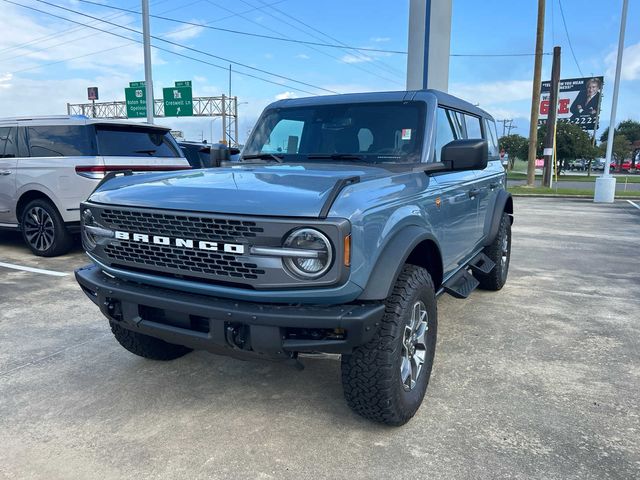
{"x": 114, "y": 309}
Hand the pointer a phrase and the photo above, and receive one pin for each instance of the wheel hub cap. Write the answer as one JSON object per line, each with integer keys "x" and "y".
{"x": 414, "y": 347}
{"x": 39, "y": 229}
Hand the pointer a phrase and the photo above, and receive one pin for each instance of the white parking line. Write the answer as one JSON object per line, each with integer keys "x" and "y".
{"x": 634, "y": 204}
{"x": 34, "y": 270}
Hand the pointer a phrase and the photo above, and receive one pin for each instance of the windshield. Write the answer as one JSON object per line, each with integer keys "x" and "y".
{"x": 369, "y": 132}
{"x": 131, "y": 141}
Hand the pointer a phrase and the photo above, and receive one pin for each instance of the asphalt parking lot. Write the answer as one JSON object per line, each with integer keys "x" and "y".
{"x": 539, "y": 380}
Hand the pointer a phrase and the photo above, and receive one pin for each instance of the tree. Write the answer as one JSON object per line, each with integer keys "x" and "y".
{"x": 621, "y": 148}
{"x": 571, "y": 143}
{"x": 630, "y": 129}
{"x": 516, "y": 146}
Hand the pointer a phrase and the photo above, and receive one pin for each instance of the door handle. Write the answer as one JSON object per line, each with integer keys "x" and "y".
{"x": 5, "y": 172}
{"x": 474, "y": 192}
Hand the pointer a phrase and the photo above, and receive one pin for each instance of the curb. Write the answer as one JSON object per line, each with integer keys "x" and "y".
{"x": 542, "y": 195}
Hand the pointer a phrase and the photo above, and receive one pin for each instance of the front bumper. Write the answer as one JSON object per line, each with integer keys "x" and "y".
{"x": 236, "y": 328}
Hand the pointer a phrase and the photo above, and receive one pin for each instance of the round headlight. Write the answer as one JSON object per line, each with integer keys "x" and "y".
{"x": 316, "y": 254}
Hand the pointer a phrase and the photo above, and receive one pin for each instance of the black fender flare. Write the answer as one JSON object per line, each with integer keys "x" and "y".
{"x": 390, "y": 262}
{"x": 503, "y": 203}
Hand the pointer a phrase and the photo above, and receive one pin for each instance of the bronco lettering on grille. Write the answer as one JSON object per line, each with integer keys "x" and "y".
{"x": 234, "y": 248}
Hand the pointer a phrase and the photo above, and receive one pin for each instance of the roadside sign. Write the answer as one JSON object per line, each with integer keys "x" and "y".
{"x": 136, "y": 99}
{"x": 185, "y": 83}
{"x": 92, "y": 93}
{"x": 137, "y": 84}
{"x": 178, "y": 101}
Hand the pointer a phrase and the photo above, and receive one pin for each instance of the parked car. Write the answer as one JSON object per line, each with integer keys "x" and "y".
{"x": 598, "y": 164}
{"x": 579, "y": 165}
{"x": 199, "y": 154}
{"x": 625, "y": 166}
{"x": 48, "y": 165}
{"x": 345, "y": 218}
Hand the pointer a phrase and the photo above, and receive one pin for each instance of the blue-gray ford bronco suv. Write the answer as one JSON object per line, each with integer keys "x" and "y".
{"x": 344, "y": 219}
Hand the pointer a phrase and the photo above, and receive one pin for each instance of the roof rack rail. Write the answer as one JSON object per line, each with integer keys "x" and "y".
{"x": 40, "y": 117}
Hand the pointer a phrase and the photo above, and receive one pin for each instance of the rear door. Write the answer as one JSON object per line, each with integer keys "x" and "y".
{"x": 491, "y": 179}
{"x": 459, "y": 202}
{"x": 8, "y": 164}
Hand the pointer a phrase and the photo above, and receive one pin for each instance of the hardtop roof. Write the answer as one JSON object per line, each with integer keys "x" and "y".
{"x": 74, "y": 120}
{"x": 442, "y": 98}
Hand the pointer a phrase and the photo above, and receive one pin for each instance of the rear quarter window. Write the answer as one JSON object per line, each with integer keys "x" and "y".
{"x": 60, "y": 141}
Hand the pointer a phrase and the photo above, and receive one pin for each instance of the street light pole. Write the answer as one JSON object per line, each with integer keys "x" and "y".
{"x": 147, "y": 60}
{"x": 605, "y": 191}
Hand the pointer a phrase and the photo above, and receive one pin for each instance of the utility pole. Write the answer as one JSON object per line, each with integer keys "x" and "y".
{"x": 549, "y": 139}
{"x": 535, "y": 97}
{"x": 606, "y": 184}
{"x": 148, "y": 81}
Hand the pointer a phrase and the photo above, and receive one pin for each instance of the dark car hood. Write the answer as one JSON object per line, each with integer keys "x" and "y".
{"x": 279, "y": 190}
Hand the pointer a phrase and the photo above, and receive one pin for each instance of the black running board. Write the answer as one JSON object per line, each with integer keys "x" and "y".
{"x": 463, "y": 282}
{"x": 482, "y": 264}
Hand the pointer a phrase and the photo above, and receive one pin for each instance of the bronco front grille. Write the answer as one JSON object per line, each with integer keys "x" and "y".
{"x": 182, "y": 261}
{"x": 183, "y": 226}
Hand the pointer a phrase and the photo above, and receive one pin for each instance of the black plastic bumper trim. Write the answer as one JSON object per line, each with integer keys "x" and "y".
{"x": 359, "y": 321}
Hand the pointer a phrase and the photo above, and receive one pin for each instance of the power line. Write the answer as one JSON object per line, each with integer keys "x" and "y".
{"x": 321, "y": 52}
{"x": 569, "y": 38}
{"x": 156, "y": 47}
{"x": 387, "y": 68}
{"x": 250, "y": 34}
{"x": 170, "y": 43}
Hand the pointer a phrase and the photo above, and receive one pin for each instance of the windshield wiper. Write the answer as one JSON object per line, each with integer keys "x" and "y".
{"x": 336, "y": 156}
{"x": 264, "y": 156}
{"x": 149, "y": 152}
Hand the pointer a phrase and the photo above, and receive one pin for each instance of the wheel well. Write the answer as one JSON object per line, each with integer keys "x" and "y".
{"x": 427, "y": 255}
{"x": 508, "y": 208}
{"x": 27, "y": 197}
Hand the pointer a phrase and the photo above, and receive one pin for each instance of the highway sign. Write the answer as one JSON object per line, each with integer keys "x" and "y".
{"x": 185, "y": 83}
{"x": 137, "y": 84}
{"x": 136, "y": 99}
{"x": 178, "y": 101}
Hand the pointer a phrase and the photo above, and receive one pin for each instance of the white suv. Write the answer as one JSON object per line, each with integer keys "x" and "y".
{"x": 48, "y": 165}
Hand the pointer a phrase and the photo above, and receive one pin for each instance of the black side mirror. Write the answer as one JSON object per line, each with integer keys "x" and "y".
{"x": 219, "y": 154}
{"x": 470, "y": 154}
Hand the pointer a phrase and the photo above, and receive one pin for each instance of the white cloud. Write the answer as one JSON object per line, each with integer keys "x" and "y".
{"x": 380, "y": 39}
{"x": 184, "y": 33}
{"x": 303, "y": 56}
{"x": 350, "y": 58}
{"x": 630, "y": 63}
{"x": 493, "y": 92}
{"x": 284, "y": 95}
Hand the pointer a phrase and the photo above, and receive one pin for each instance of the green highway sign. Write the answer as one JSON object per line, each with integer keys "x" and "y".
{"x": 178, "y": 101}
{"x": 186, "y": 83}
{"x": 137, "y": 84}
{"x": 136, "y": 99}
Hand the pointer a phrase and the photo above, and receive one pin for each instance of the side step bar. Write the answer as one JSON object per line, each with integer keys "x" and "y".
{"x": 463, "y": 283}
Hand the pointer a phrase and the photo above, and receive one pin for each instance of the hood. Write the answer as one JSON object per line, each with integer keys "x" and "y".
{"x": 276, "y": 190}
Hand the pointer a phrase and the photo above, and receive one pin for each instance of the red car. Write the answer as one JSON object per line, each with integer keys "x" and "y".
{"x": 625, "y": 166}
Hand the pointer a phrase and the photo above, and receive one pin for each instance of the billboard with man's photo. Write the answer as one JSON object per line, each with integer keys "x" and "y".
{"x": 578, "y": 102}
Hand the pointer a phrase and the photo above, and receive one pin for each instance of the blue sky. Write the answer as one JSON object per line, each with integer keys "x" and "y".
{"x": 46, "y": 62}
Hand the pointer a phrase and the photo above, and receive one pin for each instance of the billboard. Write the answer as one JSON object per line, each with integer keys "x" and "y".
{"x": 578, "y": 102}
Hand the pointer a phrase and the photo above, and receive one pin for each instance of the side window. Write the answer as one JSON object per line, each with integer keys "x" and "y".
{"x": 365, "y": 139}
{"x": 492, "y": 138}
{"x": 445, "y": 122}
{"x": 60, "y": 141}
{"x": 285, "y": 137}
{"x": 473, "y": 126}
{"x": 4, "y": 136}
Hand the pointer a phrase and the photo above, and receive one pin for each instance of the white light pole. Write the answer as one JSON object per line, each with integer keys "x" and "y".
{"x": 606, "y": 184}
{"x": 147, "y": 60}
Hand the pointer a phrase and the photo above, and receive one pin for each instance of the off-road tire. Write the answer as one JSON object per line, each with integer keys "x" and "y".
{"x": 146, "y": 346}
{"x": 56, "y": 240}
{"x": 497, "y": 277}
{"x": 371, "y": 378}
